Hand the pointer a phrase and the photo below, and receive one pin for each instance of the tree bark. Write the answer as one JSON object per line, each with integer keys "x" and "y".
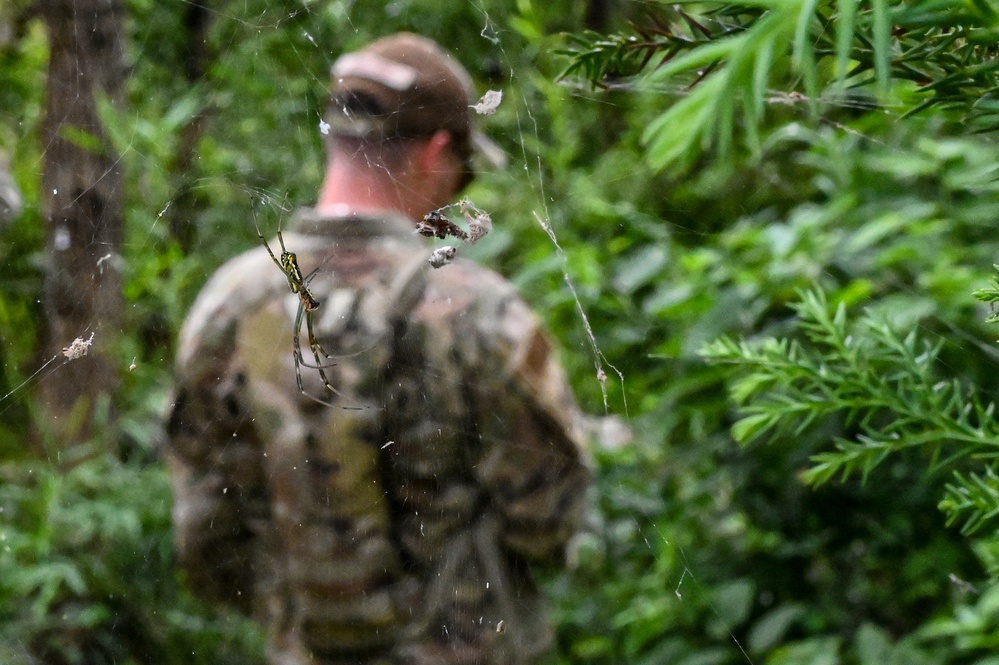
{"x": 82, "y": 204}
{"x": 198, "y": 57}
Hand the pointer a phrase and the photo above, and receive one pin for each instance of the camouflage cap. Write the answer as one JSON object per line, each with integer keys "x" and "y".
{"x": 406, "y": 86}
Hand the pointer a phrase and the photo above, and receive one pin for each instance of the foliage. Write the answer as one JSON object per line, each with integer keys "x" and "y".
{"x": 87, "y": 573}
{"x": 883, "y": 386}
{"x": 729, "y": 63}
{"x": 990, "y": 295}
{"x": 868, "y": 197}
{"x": 809, "y": 559}
{"x": 885, "y": 389}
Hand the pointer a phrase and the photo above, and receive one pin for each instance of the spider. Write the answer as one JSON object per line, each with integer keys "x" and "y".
{"x": 307, "y": 304}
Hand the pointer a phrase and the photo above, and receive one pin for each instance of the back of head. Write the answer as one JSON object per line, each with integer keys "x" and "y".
{"x": 400, "y": 87}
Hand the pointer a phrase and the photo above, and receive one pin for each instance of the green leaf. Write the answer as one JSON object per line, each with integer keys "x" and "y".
{"x": 641, "y": 268}
{"x": 712, "y": 656}
{"x": 82, "y": 139}
{"x": 812, "y": 651}
{"x": 733, "y": 602}
{"x": 700, "y": 57}
{"x": 675, "y": 137}
{"x": 771, "y": 628}
{"x": 747, "y": 387}
{"x": 882, "y": 55}
{"x": 873, "y": 645}
{"x": 750, "y": 427}
{"x": 846, "y": 16}
{"x": 802, "y": 55}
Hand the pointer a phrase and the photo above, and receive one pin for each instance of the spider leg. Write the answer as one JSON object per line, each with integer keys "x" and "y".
{"x": 300, "y": 360}
{"x": 307, "y": 294}
{"x": 304, "y": 363}
{"x": 268, "y": 248}
{"x": 316, "y": 349}
{"x": 297, "y": 347}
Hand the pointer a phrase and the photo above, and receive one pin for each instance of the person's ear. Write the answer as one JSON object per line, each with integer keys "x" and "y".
{"x": 438, "y": 160}
{"x": 436, "y": 152}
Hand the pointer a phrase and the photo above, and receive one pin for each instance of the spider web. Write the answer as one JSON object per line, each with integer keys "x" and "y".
{"x": 287, "y": 49}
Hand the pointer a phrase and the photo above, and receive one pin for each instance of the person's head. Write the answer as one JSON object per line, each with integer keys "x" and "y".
{"x": 400, "y": 110}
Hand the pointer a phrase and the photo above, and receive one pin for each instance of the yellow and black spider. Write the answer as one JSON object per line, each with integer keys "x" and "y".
{"x": 307, "y": 304}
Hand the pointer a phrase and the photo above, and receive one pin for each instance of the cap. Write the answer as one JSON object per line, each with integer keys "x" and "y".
{"x": 406, "y": 86}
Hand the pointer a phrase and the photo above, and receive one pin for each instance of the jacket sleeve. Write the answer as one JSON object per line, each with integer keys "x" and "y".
{"x": 214, "y": 454}
{"x": 533, "y": 466}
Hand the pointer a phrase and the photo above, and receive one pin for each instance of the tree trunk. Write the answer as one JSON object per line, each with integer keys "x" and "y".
{"x": 597, "y": 15}
{"x": 82, "y": 205}
{"x": 198, "y": 57}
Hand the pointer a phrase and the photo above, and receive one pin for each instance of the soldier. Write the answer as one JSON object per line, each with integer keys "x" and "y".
{"x": 386, "y": 507}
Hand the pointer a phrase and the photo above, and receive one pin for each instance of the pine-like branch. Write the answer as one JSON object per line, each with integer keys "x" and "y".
{"x": 883, "y": 384}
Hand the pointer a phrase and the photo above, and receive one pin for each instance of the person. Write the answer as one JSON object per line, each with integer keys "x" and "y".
{"x": 386, "y": 509}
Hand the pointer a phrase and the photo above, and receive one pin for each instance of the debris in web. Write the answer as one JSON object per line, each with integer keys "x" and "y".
{"x": 100, "y": 261}
{"x": 442, "y": 256}
{"x": 435, "y": 224}
{"x": 489, "y": 103}
{"x": 78, "y": 347}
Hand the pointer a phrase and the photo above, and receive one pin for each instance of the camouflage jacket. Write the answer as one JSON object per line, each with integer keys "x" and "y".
{"x": 398, "y": 524}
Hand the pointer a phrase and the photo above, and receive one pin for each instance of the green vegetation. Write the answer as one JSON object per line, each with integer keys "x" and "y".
{"x": 776, "y": 217}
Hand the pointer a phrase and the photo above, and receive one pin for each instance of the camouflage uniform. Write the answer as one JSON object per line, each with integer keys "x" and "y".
{"x": 396, "y": 527}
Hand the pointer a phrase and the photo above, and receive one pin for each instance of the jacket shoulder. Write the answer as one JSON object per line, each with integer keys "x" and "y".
{"x": 501, "y": 340}
{"x": 234, "y": 290}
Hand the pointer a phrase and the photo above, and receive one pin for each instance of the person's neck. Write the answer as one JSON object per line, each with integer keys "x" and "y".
{"x": 349, "y": 191}
{"x": 344, "y": 201}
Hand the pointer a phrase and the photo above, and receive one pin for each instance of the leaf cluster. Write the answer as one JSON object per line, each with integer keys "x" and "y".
{"x": 886, "y": 390}
{"x": 87, "y": 571}
{"x": 604, "y": 59}
{"x": 891, "y": 212}
{"x": 990, "y": 295}
{"x": 739, "y": 68}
